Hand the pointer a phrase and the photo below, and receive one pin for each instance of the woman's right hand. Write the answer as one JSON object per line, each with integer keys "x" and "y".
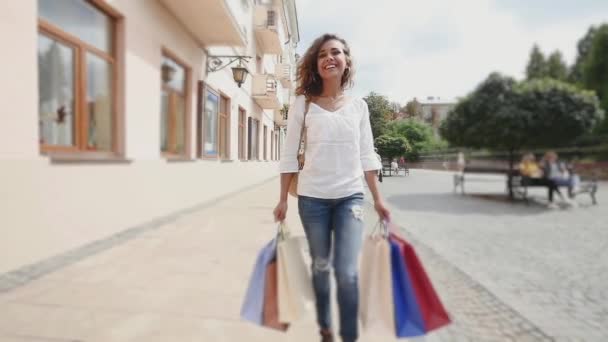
{"x": 280, "y": 211}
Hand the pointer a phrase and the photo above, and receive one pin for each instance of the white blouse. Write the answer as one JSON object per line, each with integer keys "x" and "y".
{"x": 339, "y": 147}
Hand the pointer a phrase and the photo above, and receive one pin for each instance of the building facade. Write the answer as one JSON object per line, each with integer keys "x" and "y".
{"x": 118, "y": 112}
{"x": 435, "y": 110}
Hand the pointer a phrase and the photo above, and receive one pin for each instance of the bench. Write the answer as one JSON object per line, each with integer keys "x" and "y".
{"x": 386, "y": 168}
{"x": 518, "y": 184}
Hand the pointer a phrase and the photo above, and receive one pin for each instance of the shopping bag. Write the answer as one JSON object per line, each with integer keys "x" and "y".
{"x": 433, "y": 312}
{"x": 271, "y": 300}
{"x": 295, "y": 290}
{"x": 408, "y": 319}
{"x": 376, "y": 292}
{"x": 253, "y": 304}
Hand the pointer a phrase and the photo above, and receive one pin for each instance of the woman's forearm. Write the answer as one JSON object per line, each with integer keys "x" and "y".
{"x": 285, "y": 182}
{"x": 370, "y": 178}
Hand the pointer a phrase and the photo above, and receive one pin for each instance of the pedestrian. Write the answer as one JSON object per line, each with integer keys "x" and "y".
{"x": 402, "y": 162}
{"x": 395, "y": 166}
{"x": 460, "y": 163}
{"x": 380, "y": 172}
{"x": 339, "y": 150}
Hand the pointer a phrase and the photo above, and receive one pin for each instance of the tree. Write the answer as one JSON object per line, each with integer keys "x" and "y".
{"x": 392, "y": 146}
{"x": 418, "y": 134}
{"x": 583, "y": 48}
{"x": 537, "y": 66}
{"x": 395, "y": 107}
{"x": 379, "y": 112}
{"x": 556, "y": 67}
{"x": 414, "y": 108}
{"x": 503, "y": 115}
{"x": 557, "y": 112}
{"x": 595, "y": 70}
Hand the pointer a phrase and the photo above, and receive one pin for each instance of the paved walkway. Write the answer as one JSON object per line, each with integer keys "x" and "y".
{"x": 506, "y": 272}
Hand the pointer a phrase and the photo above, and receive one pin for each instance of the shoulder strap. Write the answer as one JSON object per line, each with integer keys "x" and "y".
{"x": 302, "y": 135}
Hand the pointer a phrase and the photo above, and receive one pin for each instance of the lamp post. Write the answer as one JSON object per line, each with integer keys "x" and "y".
{"x": 239, "y": 73}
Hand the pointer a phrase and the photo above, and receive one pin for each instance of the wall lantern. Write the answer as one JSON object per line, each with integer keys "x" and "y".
{"x": 239, "y": 73}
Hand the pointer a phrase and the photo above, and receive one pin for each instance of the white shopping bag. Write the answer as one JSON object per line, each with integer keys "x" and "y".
{"x": 295, "y": 290}
{"x": 376, "y": 309}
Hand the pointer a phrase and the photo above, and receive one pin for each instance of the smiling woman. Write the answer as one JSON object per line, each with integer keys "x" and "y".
{"x": 309, "y": 77}
{"x": 330, "y": 146}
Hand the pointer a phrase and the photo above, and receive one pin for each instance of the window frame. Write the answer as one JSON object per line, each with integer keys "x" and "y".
{"x": 271, "y": 145}
{"x": 242, "y": 134}
{"x": 202, "y": 124}
{"x": 253, "y": 143}
{"x": 80, "y": 48}
{"x": 165, "y": 52}
{"x": 224, "y": 151}
{"x": 264, "y": 142}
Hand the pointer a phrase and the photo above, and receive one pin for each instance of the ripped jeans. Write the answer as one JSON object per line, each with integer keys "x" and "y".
{"x": 344, "y": 218}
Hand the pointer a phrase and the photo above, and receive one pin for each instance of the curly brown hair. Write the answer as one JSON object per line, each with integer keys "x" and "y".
{"x": 309, "y": 81}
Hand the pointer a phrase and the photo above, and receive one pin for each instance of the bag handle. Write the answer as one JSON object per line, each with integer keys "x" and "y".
{"x": 282, "y": 231}
{"x": 381, "y": 228}
{"x": 302, "y": 147}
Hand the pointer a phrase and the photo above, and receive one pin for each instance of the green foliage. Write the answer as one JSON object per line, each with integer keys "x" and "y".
{"x": 379, "y": 112}
{"x": 537, "y": 66}
{"x": 583, "y": 48}
{"x": 419, "y": 134}
{"x": 556, "y": 67}
{"x": 413, "y": 108}
{"x": 501, "y": 114}
{"x": 558, "y": 112}
{"x": 595, "y": 70}
{"x": 392, "y": 146}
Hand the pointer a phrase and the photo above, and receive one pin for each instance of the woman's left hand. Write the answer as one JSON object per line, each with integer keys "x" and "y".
{"x": 382, "y": 211}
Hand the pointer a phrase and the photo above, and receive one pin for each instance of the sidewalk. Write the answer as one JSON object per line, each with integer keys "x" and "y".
{"x": 185, "y": 281}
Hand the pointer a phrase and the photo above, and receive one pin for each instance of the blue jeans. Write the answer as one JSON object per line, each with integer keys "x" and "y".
{"x": 344, "y": 218}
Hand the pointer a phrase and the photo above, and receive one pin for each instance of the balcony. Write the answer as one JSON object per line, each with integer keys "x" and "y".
{"x": 267, "y": 26}
{"x": 283, "y": 73}
{"x": 267, "y": 92}
{"x": 203, "y": 18}
{"x": 280, "y": 117}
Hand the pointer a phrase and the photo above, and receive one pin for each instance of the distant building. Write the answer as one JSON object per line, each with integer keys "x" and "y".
{"x": 435, "y": 110}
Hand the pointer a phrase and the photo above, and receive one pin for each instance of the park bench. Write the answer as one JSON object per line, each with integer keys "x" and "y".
{"x": 388, "y": 171}
{"x": 518, "y": 185}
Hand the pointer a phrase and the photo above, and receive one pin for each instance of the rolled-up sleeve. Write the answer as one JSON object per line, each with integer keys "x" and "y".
{"x": 369, "y": 160}
{"x": 289, "y": 154}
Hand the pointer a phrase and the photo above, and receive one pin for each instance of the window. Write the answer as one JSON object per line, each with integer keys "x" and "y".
{"x": 279, "y": 145}
{"x": 271, "y": 145}
{"x": 175, "y": 94}
{"x": 264, "y": 142}
{"x": 78, "y": 77}
{"x": 242, "y": 123}
{"x": 253, "y": 139}
{"x": 224, "y": 128}
{"x": 210, "y": 123}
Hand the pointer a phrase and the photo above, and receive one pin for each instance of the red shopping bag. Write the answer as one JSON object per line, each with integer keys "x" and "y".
{"x": 433, "y": 313}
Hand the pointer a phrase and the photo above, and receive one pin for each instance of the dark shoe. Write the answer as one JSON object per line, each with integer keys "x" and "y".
{"x": 326, "y": 336}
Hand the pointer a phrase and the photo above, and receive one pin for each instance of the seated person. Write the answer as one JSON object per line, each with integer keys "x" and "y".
{"x": 558, "y": 172}
{"x": 394, "y": 166}
{"x": 534, "y": 175}
{"x": 529, "y": 167}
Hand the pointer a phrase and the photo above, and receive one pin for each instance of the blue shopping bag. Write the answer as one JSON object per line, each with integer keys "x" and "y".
{"x": 253, "y": 305}
{"x": 408, "y": 319}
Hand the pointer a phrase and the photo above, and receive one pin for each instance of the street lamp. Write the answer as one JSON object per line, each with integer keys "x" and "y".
{"x": 239, "y": 73}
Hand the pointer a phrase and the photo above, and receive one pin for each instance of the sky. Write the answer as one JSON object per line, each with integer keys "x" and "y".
{"x": 443, "y": 48}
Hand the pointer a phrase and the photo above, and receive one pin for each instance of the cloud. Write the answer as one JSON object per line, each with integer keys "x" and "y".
{"x": 406, "y": 49}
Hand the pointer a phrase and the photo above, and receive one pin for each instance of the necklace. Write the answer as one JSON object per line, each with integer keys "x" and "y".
{"x": 333, "y": 98}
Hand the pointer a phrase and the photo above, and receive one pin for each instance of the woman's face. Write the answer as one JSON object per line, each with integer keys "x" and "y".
{"x": 331, "y": 60}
